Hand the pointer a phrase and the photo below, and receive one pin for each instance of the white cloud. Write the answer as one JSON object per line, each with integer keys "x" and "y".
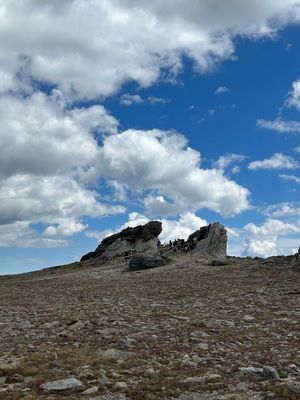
{"x": 277, "y": 161}
{"x": 272, "y": 237}
{"x": 162, "y": 161}
{"x": 282, "y": 210}
{"x": 48, "y": 153}
{"x": 266, "y": 240}
{"x": 293, "y": 99}
{"x": 157, "y": 100}
{"x": 129, "y": 99}
{"x": 260, "y": 248}
{"x": 221, "y": 90}
{"x": 50, "y": 200}
{"x": 280, "y": 126}
{"x": 224, "y": 161}
{"x": 292, "y": 178}
{"x": 271, "y": 227}
{"x": 67, "y": 228}
{"x": 297, "y": 149}
{"x": 158, "y": 206}
{"x": 182, "y": 227}
{"x": 51, "y": 149}
{"x": 39, "y": 136}
{"x": 119, "y": 41}
{"x": 236, "y": 169}
{"x": 20, "y": 234}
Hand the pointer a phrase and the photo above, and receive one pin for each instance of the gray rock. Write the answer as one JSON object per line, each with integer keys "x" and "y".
{"x": 249, "y": 372}
{"x": 292, "y": 369}
{"x": 49, "y": 325}
{"x": 24, "y": 324}
{"x": 62, "y": 384}
{"x": 110, "y": 396}
{"x": 270, "y": 372}
{"x": 210, "y": 240}
{"x": 190, "y": 396}
{"x": 121, "y": 386}
{"x": 142, "y": 262}
{"x": 293, "y": 387}
{"x": 2, "y": 379}
{"x": 91, "y": 390}
{"x": 142, "y": 238}
{"x": 113, "y": 354}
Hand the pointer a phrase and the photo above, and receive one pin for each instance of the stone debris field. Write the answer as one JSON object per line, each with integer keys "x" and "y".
{"x": 186, "y": 331}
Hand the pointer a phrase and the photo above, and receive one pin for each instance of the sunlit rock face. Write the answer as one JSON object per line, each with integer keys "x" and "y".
{"x": 140, "y": 239}
{"x": 210, "y": 240}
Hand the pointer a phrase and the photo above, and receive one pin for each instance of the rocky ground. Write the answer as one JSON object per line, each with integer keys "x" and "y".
{"x": 185, "y": 331}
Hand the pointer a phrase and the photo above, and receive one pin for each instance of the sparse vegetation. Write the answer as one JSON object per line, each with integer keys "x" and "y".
{"x": 184, "y": 328}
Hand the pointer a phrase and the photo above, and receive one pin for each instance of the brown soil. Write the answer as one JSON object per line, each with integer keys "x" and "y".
{"x": 186, "y": 328}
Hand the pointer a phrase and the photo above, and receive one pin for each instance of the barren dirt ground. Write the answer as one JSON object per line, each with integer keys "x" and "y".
{"x": 186, "y": 331}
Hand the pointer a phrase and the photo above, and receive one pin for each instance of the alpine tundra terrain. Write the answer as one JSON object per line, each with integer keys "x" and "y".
{"x": 189, "y": 330}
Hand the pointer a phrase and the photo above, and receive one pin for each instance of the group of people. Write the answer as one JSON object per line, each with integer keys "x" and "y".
{"x": 179, "y": 244}
{"x": 182, "y": 245}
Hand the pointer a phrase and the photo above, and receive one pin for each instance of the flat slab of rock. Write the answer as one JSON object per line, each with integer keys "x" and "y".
{"x": 62, "y": 384}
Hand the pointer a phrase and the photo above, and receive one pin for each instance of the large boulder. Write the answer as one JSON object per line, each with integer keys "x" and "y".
{"x": 140, "y": 239}
{"x": 210, "y": 240}
{"x": 140, "y": 262}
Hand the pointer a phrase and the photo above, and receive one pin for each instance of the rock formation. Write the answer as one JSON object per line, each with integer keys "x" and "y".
{"x": 210, "y": 240}
{"x": 142, "y": 238}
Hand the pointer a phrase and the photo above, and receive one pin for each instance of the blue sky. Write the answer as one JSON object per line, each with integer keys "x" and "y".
{"x": 147, "y": 112}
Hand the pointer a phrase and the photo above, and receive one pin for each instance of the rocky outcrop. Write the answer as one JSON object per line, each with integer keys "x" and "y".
{"x": 138, "y": 263}
{"x": 210, "y": 240}
{"x": 142, "y": 238}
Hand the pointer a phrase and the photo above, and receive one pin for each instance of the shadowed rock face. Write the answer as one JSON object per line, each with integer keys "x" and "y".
{"x": 142, "y": 238}
{"x": 141, "y": 262}
{"x": 210, "y": 240}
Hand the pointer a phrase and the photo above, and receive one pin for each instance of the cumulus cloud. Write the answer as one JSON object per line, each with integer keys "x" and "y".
{"x": 221, "y": 90}
{"x": 158, "y": 205}
{"x": 48, "y": 154}
{"x": 274, "y": 236}
{"x": 181, "y": 227}
{"x": 127, "y": 40}
{"x": 224, "y": 161}
{"x": 266, "y": 240}
{"x": 20, "y": 234}
{"x": 282, "y": 210}
{"x": 277, "y": 161}
{"x": 38, "y": 135}
{"x": 162, "y": 161}
{"x": 50, "y": 200}
{"x": 52, "y": 150}
{"x": 280, "y": 125}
